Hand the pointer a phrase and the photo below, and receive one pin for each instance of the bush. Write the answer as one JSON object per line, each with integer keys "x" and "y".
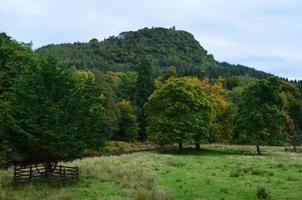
{"x": 263, "y": 193}
{"x": 235, "y": 173}
{"x": 258, "y": 172}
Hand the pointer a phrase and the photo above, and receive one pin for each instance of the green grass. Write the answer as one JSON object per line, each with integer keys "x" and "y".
{"x": 215, "y": 172}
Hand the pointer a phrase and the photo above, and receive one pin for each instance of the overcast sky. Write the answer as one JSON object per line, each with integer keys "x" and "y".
{"x": 264, "y": 34}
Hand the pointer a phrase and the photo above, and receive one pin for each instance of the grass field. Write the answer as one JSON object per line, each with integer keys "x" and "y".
{"x": 215, "y": 172}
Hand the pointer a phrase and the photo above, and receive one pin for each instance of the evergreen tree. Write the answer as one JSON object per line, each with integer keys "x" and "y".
{"x": 15, "y": 59}
{"x": 55, "y": 115}
{"x": 144, "y": 87}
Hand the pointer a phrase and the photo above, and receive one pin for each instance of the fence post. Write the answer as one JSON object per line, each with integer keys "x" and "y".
{"x": 30, "y": 173}
{"x": 15, "y": 175}
{"x": 77, "y": 170}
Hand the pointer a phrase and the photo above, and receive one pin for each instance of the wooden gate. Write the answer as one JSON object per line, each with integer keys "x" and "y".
{"x": 30, "y": 173}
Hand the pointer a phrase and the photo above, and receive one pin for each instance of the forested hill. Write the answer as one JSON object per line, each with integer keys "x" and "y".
{"x": 164, "y": 47}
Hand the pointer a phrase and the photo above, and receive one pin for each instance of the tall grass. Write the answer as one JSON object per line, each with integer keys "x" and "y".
{"x": 131, "y": 181}
{"x": 214, "y": 172}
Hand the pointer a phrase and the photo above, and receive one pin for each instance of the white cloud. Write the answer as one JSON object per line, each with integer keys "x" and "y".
{"x": 262, "y": 33}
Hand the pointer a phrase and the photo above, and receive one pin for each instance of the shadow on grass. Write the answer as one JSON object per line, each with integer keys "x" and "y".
{"x": 207, "y": 152}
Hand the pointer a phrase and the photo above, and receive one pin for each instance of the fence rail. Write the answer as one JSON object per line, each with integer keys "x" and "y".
{"x": 30, "y": 173}
{"x": 298, "y": 149}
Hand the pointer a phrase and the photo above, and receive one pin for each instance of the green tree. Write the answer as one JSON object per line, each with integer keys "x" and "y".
{"x": 128, "y": 126}
{"x": 127, "y": 86}
{"x": 222, "y": 120}
{"x": 165, "y": 47}
{"x": 15, "y": 58}
{"x": 260, "y": 119}
{"x": 179, "y": 112}
{"x": 295, "y": 114}
{"x": 55, "y": 115}
{"x": 106, "y": 87}
{"x": 169, "y": 73}
{"x": 144, "y": 87}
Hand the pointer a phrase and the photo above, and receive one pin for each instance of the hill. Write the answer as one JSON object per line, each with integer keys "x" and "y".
{"x": 164, "y": 47}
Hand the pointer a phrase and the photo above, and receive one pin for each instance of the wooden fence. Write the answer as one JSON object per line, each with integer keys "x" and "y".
{"x": 297, "y": 150}
{"x": 28, "y": 174}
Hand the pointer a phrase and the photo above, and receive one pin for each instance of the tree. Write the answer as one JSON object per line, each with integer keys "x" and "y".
{"x": 144, "y": 87}
{"x": 222, "y": 119}
{"x": 55, "y": 115}
{"x": 164, "y": 47}
{"x": 15, "y": 58}
{"x": 170, "y": 73}
{"x": 178, "y": 112}
{"x": 128, "y": 123}
{"x": 261, "y": 119}
{"x": 127, "y": 86}
{"x": 106, "y": 91}
{"x": 295, "y": 121}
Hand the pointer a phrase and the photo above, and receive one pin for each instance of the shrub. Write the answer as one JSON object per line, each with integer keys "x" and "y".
{"x": 263, "y": 193}
{"x": 235, "y": 173}
{"x": 258, "y": 172}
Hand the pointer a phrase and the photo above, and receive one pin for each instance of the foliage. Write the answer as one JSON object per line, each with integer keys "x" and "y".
{"x": 294, "y": 106}
{"x": 144, "y": 87}
{"x": 106, "y": 86}
{"x": 263, "y": 193}
{"x": 65, "y": 119}
{"x": 127, "y": 86}
{"x": 171, "y": 72}
{"x": 128, "y": 123}
{"x": 222, "y": 111}
{"x": 179, "y": 112}
{"x": 260, "y": 119}
{"x": 165, "y": 47}
{"x": 15, "y": 59}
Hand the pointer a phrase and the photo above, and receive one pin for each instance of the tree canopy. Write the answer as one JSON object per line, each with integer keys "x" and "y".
{"x": 260, "y": 119}
{"x": 179, "y": 112}
{"x": 55, "y": 115}
{"x": 165, "y": 47}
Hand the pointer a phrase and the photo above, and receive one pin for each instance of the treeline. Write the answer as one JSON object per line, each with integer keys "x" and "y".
{"x": 51, "y": 112}
{"x": 163, "y": 47}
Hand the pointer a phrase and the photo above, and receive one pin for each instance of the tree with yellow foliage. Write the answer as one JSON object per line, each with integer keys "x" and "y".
{"x": 222, "y": 120}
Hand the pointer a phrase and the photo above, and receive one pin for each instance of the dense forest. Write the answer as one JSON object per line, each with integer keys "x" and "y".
{"x": 63, "y": 101}
{"x": 163, "y": 47}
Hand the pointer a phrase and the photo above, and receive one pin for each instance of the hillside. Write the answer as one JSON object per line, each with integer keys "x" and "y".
{"x": 164, "y": 47}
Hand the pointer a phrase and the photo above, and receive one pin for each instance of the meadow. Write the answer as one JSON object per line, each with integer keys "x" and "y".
{"x": 214, "y": 172}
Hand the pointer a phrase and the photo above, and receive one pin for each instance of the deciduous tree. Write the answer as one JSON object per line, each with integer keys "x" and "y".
{"x": 261, "y": 118}
{"x": 179, "y": 112}
{"x": 128, "y": 126}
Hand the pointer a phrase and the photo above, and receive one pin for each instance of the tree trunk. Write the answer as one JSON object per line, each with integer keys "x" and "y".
{"x": 180, "y": 147}
{"x": 49, "y": 168}
{"x": 258, "y": 150}
{"x": 197, "y": 147}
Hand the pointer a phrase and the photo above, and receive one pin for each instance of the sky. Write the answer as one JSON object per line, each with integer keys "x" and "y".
{"x": 263, "y": 34}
